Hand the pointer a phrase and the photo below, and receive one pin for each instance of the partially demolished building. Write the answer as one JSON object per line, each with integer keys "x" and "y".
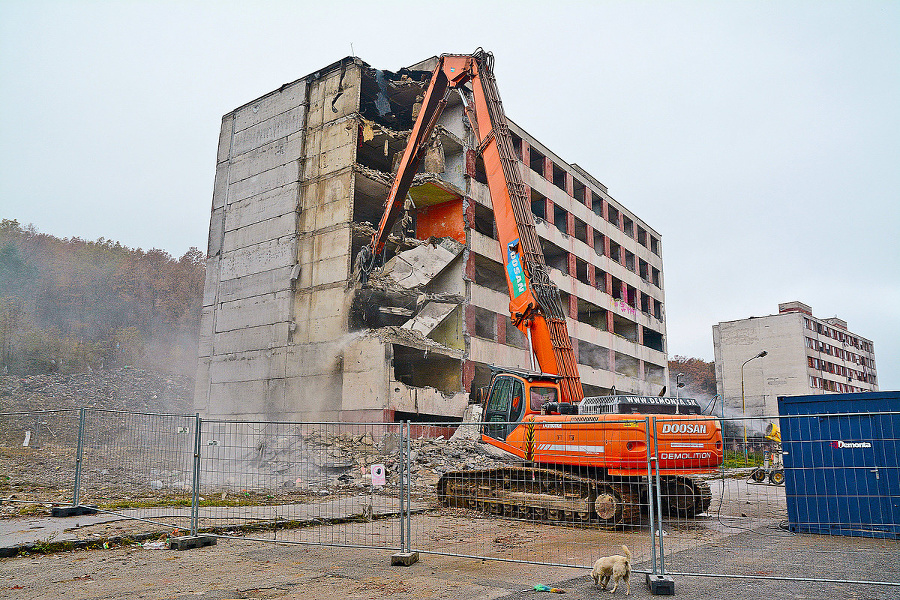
{"x": 288, "y": 333}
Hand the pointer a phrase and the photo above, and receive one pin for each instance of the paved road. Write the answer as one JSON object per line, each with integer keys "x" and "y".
{"x": 321, "y": 562}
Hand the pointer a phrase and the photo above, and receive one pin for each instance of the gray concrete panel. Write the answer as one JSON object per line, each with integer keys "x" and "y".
{"x": 291, "y": 96}
{"x": 252, "y": 312}
{"x": 280, "y": 227}
{"x": 251, "y": 338}
{"x": 314, "y": 397}
{"x": 331, "y": 270}
{"x": 269, "y": 156}
{"x": 315, "y": 359}
{"x": 256, "y": 365}
{"x": 224, "y": 149}
{"x": 259, "y": 258}
{"x": 267, "y": 282}
{"x": 279, "y": 126}
{"x": 211, "y": 283}
{"x": 216, "y": 232}
{"x": 270, "y": 204}
{"x": 237, "y": 398}
{"x": 201, "y": 386}
{"x": 220, "y": 186}
{"x": 263, "y": 182}
{"x": 207, "y": 325}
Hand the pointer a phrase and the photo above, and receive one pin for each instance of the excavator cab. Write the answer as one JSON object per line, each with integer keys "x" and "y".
{"x": 505, "y": 406}
{"x": 514, "y": 394}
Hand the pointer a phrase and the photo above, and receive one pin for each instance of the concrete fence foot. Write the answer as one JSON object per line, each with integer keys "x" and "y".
{"x": 72, "y": 511}
{"x": 661, "y": 585}
{"x": 404, "y": 559}
{"x": 186, "y": 542}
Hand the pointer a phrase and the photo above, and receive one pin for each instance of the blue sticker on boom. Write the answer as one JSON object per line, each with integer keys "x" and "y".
{"x": 514, "y": 270}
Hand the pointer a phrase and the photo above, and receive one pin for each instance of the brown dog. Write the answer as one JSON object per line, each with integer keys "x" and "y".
{"x": 616, "y": 567}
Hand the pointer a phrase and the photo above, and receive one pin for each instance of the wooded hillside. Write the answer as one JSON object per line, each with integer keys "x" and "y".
{"x": 67, "y": 305}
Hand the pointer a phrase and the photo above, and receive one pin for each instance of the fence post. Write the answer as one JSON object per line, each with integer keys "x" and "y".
{"x": 660, "y": 584}
{"x": 408, "y": 486}
{"x": 651, "y": 497}
{"x": 79, "y": 453}
{"x": 402, "y": 469}
{"x": 195, "y": 493}
{"x": 406, "y": 556}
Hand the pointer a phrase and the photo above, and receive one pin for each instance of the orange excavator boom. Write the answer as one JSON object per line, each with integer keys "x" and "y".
{"x": 535, "y": 307}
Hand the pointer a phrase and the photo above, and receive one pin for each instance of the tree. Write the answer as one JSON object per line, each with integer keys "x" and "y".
{"x": 69, "y": 304}
{"x": 699, "y": 376}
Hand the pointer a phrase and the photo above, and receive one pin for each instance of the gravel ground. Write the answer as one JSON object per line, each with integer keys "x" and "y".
{"x": 240, "y": 568}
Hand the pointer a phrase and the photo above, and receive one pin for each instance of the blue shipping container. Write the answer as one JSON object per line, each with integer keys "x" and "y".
{"x": 842, "y": 475}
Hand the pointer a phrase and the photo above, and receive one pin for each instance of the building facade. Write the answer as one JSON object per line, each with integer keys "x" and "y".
{"x": 302, "y": 173}
{"x": 804, "y": 355}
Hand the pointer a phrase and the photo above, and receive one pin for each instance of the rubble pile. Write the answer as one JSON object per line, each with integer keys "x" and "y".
{"x": 291, "y": 461}
{"x": 125, "y": 389}
{"x": 324, "y": 462}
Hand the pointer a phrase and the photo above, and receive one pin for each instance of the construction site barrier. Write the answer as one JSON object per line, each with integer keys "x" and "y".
{"x": 790, "y": 498}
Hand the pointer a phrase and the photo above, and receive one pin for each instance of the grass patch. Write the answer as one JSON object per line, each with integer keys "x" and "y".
{"x": 735, "y": 460}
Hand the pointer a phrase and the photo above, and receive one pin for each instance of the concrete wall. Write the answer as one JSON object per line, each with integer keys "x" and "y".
{"x": 781, "y": 372}
{"x": 276, "y": 340}
{"x": 784, "y": 371}
{"x": 273, "y": 315}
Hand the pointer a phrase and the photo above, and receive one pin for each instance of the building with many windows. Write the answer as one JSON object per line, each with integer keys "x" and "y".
{"x": 804, "y": 355}
{"x": 302, "y": 173}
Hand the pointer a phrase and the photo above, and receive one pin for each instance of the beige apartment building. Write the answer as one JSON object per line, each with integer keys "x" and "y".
{"x": 804, "y": 355}
{"x": 302, "y": 174}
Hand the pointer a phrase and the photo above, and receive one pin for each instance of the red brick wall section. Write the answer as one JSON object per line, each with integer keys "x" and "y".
{"x": 468, "y": 375}
{"x": 470, "y": 163}
{"x": 470, "y": 267}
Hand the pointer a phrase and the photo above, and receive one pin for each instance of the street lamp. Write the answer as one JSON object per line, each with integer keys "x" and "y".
{"x": 743, "y": 403}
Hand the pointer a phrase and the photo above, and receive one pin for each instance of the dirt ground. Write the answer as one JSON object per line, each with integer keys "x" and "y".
{"x": 253, "y": 569}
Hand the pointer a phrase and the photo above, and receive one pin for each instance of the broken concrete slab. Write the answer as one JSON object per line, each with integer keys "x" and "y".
{"x": 417, "y": 266}
{"x": 429, "y": 317}
{"x": 413, "y": 339}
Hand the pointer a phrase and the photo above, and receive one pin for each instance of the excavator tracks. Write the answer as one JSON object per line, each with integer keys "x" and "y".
{"x": 684, "y": 496}
{"x": 543, "y": 495}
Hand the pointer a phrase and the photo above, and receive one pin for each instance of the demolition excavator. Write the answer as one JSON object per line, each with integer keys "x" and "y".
{"x": 576, "y": 459}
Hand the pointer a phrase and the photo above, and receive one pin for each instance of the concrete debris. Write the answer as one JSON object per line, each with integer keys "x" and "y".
{"x": 124, "y": 388}
{"x": 371, "y": 129}
{"x": 368, "y": 230}
{"x": 418, "y": 266}
{"x": 418, "y": 180}
{"x": 432, "y": 315}
{"x": 413, "y": 339}
{"x": 332, "y": 462}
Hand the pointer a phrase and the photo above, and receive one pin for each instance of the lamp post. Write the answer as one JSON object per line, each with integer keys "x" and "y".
{"x": 743, "y": 403}
{"x": 678, "y": 384}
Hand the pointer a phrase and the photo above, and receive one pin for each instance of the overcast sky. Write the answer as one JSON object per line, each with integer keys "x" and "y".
{"x": 761, "y": 139}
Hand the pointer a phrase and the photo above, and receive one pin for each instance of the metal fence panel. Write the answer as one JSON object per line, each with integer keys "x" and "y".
{"x": 332, "y": 484}
{"x": 826, "y": 493}
{"x": 750, "y": 529}
{"x": 139, "y": 465}
{"x": 37, "y": 456}
{"x": 546, "y": 511}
